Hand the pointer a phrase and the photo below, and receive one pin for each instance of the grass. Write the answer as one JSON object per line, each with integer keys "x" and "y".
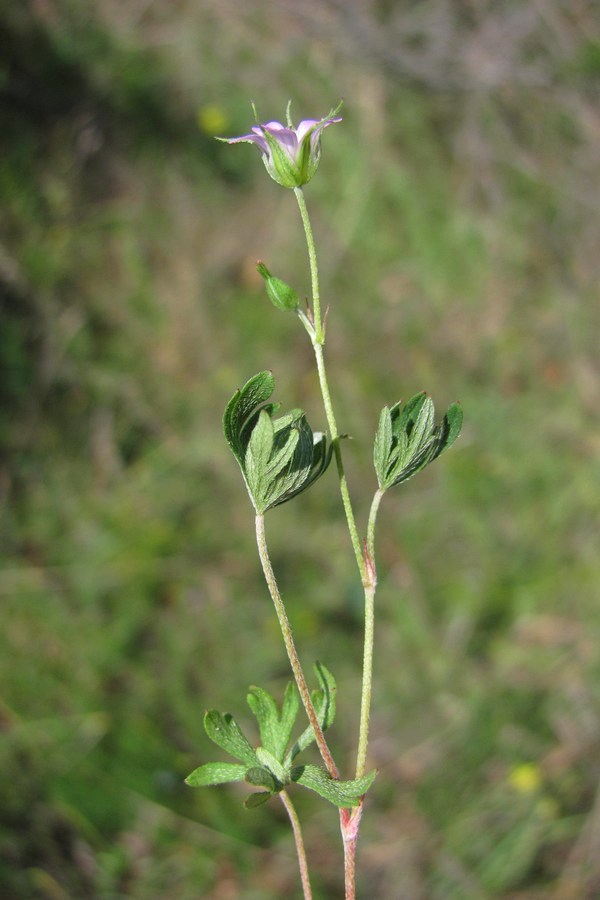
{"x": 131, "y": 594}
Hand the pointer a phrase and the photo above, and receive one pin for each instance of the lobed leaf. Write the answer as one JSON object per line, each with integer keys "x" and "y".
{"x": 224, "y": 731}
{"x": 216, "y": 773}
{"x": 257, "y": 799}
{"x": 340, "y": 793}
{"x": 279, "y": 458}
{"x": 407, "y": 439}
{"x": 266, "y": 759}
{"x": 260, "y": 776}
{"x": 324, "y": 703}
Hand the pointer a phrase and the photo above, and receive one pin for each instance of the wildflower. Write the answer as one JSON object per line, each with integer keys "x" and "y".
{"x": 291, "y": 155}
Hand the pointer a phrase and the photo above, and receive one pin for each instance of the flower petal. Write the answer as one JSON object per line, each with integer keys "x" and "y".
{"x": 285, "y": 137}
{"x": 305, "y": 126}
{"x": 257, "y": 139}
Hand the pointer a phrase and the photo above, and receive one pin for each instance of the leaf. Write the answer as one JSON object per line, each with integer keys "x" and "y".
{"x": 340, "y": 793}
{"x": 275, "y": 731}
{"x": 324, "y": 702}
{"x": 260, "y": 776}
{"x": 224, "y": 731}
{"x": 289, "y": 714}
{"x": 243, "y": 409}
{"x": 383, "y": 443}
{"x": 266, "y": 759}
{"x": 216, "y": 773}
{"x": 257, "y": 799}
{"x": 279, "y": 458}
{"x": 415, "y": 439}
{"x": 265, "y": 709}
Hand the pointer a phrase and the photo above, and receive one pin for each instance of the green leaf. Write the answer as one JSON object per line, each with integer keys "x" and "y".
{"x": 260, "y": 776}
{"x": 289, "y": 714}
{"x": 257, "y": 799}
{"x": 224, "y": 731}
{"x": 216, "y": 773}
{"x": 243, "y": 410}
{"x": 324, "y": 703}
{"x": 340, "y": 793}
{"x": 266, "y": 759}
{"x": 407, "y": 439}
{"x": 279, "y": 458}
{"x": 265, "y": 709}
{"x": 383, "y": 443}
{"x": 275, "y": 731}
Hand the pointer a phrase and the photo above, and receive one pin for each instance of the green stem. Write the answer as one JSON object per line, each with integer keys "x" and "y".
{"x": 318, "y": 340}
{"x": 367, "y": 681}
{"x": 286, "y": 631}
{"x": 300, "y": 851}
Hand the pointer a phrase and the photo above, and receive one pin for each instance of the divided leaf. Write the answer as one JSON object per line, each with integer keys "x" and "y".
{"x": 216, "y": 773}
{"x": 324, "y": 702}
{"x": 224, "y": 731}
{"x": 275, "y": 731}
{"x": 341, "y": 793}
{"x": 407, "y": 438}
{"x": 279, "y": 458}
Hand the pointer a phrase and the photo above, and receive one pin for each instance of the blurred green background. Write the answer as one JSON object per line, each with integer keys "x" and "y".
{"x": 456, "y": 213}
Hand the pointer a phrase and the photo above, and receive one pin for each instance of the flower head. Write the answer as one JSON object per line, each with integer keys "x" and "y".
{"x": 291, "y": 155}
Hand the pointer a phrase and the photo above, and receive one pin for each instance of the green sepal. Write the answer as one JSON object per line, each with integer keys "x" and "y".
{"x": 257, "y": 799}
{"x": 324, "y": 703}
{"x": 224, "y": 731}
{"x": 407, "y": 439}
{"x": 281, "y": 295}
{"x": 279, "y": 458}
{"x": 340, "y": 793}
{"x": 216, "y": 773}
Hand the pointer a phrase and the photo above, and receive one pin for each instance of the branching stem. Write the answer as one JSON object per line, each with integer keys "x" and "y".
{"x": 349, "y": 820}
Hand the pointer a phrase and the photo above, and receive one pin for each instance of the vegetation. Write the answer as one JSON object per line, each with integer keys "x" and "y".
{"x": 457, "y": 212}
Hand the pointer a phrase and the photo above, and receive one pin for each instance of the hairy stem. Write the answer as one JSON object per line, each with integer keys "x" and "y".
{"x": 286, "y": 631}
{"x": 349, "y": 820}
{"x": 367, "y": 681}
{"x": 300, "y": 851}
{"x": 318, "y": 340}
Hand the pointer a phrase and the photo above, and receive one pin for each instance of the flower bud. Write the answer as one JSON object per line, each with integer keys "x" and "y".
{"x": 279, "y": 293}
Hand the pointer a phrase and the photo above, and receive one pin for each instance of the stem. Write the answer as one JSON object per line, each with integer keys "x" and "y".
{"x": 370, "y": 588}
{"x": 314, "y": 271}
{"x": 349, "y": 819}
{"x": 286, "y": 631}
{"x": 318, "y": 340}
{"x": 301, "y": 852}
{"x": 350, "y": 824}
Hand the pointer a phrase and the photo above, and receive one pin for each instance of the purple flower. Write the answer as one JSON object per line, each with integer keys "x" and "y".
{"x": 291, "y": 155}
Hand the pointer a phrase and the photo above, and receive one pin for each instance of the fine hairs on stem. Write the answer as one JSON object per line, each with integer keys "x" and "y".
{"x": 279, "y": 458}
